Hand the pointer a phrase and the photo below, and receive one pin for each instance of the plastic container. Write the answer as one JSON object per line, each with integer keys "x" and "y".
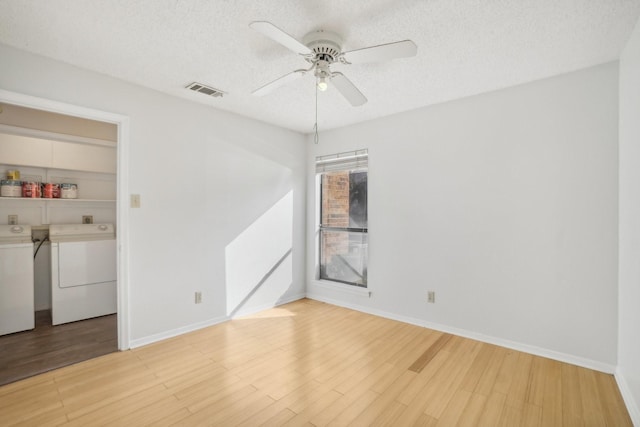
{"x": 68, "y": 191}
{"x": 31, "y": 189}
{"x": 10, "y": 188}
{"x": 13, "y": 175}
{"x": 51, "y": 191}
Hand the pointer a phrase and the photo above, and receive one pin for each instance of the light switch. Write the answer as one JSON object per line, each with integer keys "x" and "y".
{"x": 135, "y": 200}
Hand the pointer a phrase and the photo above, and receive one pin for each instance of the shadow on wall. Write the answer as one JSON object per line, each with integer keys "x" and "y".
{"x": 258, "y": 262}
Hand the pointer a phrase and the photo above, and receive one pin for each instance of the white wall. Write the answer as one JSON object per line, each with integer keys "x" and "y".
{"x": 504, "y": 204}
{"x": 628, "y": 374}
{"x": 204, "y": 177}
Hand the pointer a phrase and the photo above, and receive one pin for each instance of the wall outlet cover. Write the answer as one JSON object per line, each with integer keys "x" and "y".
{"x": 431, "y": 297}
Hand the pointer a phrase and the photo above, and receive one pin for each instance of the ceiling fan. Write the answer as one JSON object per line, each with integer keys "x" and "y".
{"x": 323, "y": 48}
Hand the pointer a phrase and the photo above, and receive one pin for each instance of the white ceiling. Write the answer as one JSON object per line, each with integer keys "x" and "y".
{"x": 465, "y": 47}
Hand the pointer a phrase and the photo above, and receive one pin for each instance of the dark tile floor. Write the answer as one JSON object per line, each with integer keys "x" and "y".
{"x": 48, "y": 347}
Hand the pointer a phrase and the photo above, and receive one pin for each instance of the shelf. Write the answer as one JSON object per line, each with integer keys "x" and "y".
{"x": 61, "y": 211}
{"x": 43, "y": 199}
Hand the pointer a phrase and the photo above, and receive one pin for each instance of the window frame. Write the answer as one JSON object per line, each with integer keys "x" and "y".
{"x": 365, "y": 284}
{"x": 321, "y": 228}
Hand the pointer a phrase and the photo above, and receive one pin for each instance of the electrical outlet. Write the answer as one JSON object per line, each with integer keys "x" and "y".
{"x": 431, "y": 297}
{"x": 13, "y": 220}
{"x": 87, "y": 219}
{"x": 198, "y": 297}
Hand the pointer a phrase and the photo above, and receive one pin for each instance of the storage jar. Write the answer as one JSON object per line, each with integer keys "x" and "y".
{"x": 10, "y": 188}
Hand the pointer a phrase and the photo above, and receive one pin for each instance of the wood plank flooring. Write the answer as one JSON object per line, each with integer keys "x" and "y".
{"x": 312, "y": 364}
{"x": 47, "y": 347}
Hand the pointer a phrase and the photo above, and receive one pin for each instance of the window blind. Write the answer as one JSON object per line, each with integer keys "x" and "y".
{"x": 348, "y": 161}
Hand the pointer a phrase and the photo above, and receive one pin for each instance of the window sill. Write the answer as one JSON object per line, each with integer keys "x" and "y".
{"x": 342, "y": 287}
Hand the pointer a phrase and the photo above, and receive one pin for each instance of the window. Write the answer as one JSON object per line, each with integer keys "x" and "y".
{"x": 343, "y": 228}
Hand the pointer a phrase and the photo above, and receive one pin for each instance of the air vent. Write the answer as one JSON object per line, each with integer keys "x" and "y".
{"x": 207, "y": 90}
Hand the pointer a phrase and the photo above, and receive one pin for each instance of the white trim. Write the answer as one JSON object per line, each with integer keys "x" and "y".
{"x": 254, "y": 310}
{"x": 538, "y": 351}
{"x": 122, "y": 220}
{"x": 342, "y": 287}
{"x": 178, "y": 331}
{"x": 201, "y": 325}
{"x": 122, "y": 183}
{"x": 625, "y": 391}
{"x": 58, "y": 107}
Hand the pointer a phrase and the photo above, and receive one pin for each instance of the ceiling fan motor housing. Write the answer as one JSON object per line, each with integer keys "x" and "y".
{"x": 326, "y": 46}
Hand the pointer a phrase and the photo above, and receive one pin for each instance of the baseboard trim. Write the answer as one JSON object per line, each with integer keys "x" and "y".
{"x": 254, "y": 310}
{"x": 340, "y": 287}
{"x": 625, "y": 391}
{"x": 150, "y": 339}
{"x": 200, "y": 325}
{"x": 538, "y": 351}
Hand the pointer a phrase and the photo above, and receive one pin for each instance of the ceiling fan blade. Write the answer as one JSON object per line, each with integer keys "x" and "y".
{"x": 279, "y": 36}
{"x": 348, "y": 89}
{"x": 281, "y": 81}
{"x": 383, "y": 52}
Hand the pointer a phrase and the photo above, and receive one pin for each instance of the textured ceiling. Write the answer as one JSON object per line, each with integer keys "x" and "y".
{"x": 465, "y": 47}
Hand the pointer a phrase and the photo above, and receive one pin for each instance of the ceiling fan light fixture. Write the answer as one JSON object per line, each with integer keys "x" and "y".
{"x": 323, "y": 84}
{"x": 321, "y": 49}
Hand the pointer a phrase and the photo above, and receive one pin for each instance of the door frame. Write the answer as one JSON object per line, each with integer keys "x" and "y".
{"x": 122, "y": 191}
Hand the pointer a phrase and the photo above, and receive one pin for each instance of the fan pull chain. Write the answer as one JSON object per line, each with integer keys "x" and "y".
{"x": 315, "y": 127}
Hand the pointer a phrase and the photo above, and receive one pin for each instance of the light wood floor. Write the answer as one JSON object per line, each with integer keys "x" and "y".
{"x": 309, "y": 363}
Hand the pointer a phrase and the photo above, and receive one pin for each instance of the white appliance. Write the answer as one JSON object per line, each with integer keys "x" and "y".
{"x": 83, "y": 271}
{"x": 16, "y": 279}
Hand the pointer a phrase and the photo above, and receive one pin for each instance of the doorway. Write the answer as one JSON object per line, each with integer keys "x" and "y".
{"x": 121, "y": 321}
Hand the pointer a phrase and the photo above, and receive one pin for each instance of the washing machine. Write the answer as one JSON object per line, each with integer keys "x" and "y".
{"x": 16, "y": 279}
{"x": 83, "y": 271}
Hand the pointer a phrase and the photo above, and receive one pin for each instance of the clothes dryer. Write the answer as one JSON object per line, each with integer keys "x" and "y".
{"x": 83, "y": 271}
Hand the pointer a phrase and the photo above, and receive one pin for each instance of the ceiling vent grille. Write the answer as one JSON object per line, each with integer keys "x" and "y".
{"x": 207, "y": 90}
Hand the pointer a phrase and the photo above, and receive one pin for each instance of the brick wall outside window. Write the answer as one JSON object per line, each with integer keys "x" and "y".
{"x": 335, "y": 213}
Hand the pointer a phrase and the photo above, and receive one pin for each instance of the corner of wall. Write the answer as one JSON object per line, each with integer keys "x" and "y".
{"x": 625, "y": 391}
{"x": 628, "y": 370}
